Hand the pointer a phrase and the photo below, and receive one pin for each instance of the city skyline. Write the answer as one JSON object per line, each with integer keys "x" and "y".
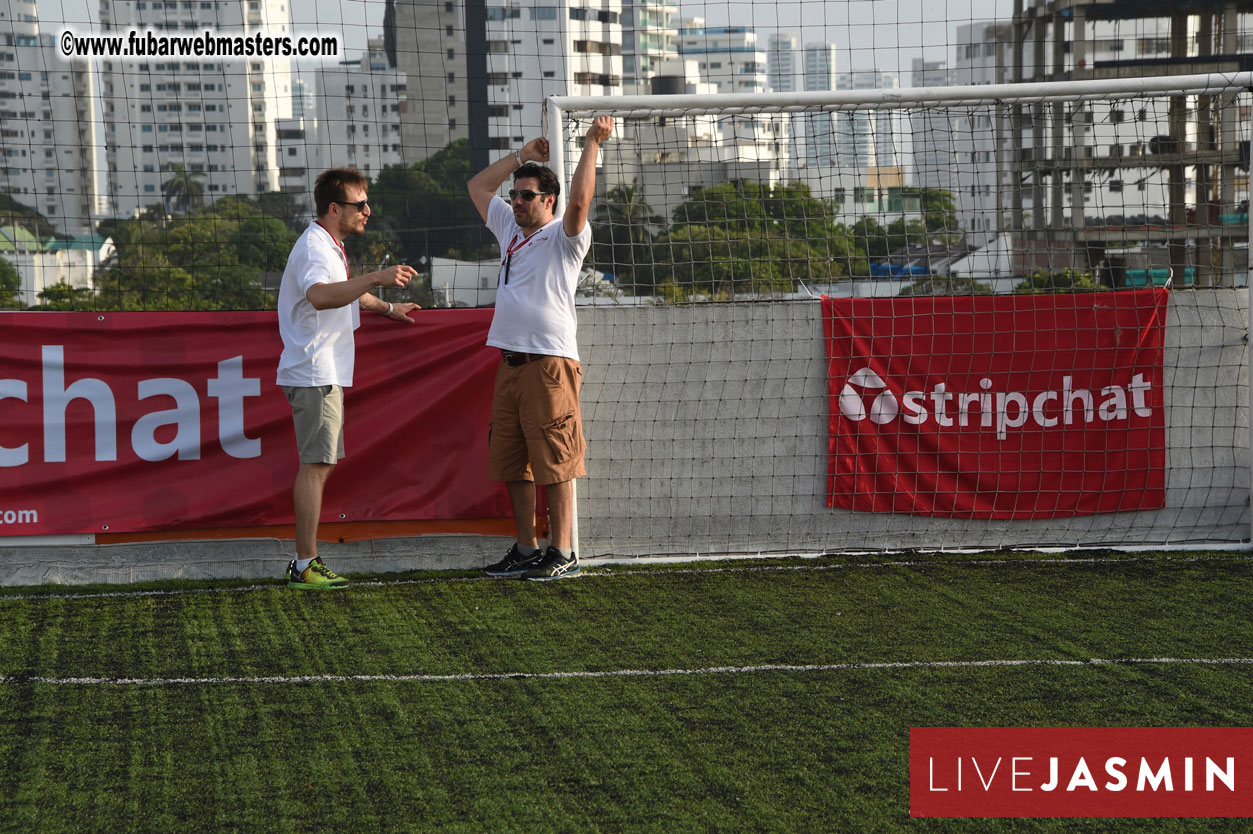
{"x": 890, "y": 33}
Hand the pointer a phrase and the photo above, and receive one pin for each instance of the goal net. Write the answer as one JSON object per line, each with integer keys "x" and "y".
{"x": 986, "y": 240}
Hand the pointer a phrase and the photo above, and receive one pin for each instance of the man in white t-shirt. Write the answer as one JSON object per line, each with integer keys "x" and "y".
{"x": 537, "y": 427}
{"x": 318, "y": 310}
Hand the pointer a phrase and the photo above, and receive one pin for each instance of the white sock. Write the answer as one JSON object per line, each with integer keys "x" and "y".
{"x": 527, "y": 549}
{"x": 301, "y": 564}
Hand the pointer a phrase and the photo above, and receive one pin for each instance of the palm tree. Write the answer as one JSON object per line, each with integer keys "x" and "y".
{"x": 623, "y": 236}
{"x": 184, "y": 189}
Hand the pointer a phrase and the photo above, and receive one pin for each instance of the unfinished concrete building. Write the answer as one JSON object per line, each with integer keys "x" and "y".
{"x": 1110, "y": 186}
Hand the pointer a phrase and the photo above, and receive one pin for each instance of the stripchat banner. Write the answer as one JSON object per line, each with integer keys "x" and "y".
{"x": 1014, "y": 407}
{"x": 129, "y": 422}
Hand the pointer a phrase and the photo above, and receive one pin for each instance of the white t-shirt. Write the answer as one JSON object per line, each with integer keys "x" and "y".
{"x": 317, "y": 344}
{"x": 535, "y": 309}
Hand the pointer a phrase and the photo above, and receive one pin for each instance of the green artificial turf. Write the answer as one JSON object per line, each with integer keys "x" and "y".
{"x": 745, "y": 749}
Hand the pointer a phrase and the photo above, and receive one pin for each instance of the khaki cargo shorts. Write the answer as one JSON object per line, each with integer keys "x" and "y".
{"x": 318, "y": 414}
{"x": 536, "y": 432}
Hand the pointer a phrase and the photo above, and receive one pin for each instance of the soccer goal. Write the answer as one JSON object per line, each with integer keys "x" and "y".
{"x": 986, "y": 317}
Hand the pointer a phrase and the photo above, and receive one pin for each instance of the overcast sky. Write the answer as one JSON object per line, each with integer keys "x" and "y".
{"x": 887, "y": 34}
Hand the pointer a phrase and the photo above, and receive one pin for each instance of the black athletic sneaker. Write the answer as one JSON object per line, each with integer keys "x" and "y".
{"x": 554, "y": 566}
{"x": 514, "y": 563}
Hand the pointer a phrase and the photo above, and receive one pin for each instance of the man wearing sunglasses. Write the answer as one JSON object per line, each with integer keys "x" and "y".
{"x": 318, "y": 310}
{"x": 537, "y": 428}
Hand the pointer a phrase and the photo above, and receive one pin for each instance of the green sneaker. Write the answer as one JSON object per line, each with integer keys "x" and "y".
{"x": 316, "y": 577}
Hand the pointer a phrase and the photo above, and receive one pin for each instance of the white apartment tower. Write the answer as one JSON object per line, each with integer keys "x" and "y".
{"x": 51, "y": 145}
{"x": 667, "y": 157}
{"x": 431, "y": 51}
{"x": 868, "y": 138}
{"x": 213, "y": 117}
{"x": 302, "y": 105}
{"x": 981, "y": 55}
{"x": 931, "y": 129}
{"x": 649, "y": 32}
{"x": 353, "y": 118}
{"x": 572, "y": 47}
{"x": 783, "y": 65}
{"x": 728, "y": 57}
{"x": 357, "y": 106}
{"x": 820, "y": 128}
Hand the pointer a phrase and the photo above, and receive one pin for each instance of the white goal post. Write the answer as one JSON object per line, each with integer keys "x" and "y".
{"x": 1058, "y": 200}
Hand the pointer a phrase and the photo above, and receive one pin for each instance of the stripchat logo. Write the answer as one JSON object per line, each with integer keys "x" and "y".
{"x": 867, "y": 396}
{"x": 883, "y": 408}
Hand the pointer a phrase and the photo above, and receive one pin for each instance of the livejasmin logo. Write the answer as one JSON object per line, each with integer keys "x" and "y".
{"x": 1080, "y": 772}
{"x": 1023, "y": 773}
{"x": 1001, "y": 410}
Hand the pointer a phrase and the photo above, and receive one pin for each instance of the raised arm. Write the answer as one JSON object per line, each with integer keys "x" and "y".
{"x": 583, "y": 183}
{"x": 484, "y": 185}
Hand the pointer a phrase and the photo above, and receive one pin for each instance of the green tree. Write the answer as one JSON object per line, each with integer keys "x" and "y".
{"x": 285, "y": 207}
{"x": 13, "y": 213}
{"x": 622, "y": 237}
{"x": 1066, "y": 280}
{"x": 10, "y": 286}
{"x": 748, "y": 237}
{"x": 427, "y": 209}
{"x": 216, "y": 259}
{"x": 929, "y": 285}
{"x": 903, "y": 232}
{"x": 259, "y": 238}
{"x": 184, "y": 190}
{"x": 63, "y": 297}
{"x": 870, "y": 237}
{"x": 939, "y": 215}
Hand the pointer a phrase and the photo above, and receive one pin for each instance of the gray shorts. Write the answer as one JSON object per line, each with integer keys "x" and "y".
{"x": 318, "y": 414}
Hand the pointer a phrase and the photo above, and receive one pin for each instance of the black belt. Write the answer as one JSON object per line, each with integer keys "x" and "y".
{"x": 514, "y": 359}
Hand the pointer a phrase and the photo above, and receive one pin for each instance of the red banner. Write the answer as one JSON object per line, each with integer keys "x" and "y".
{"x": 1080, "y": 771}
{"x": 125, "y": 422}
{"x": 997, "y": 406}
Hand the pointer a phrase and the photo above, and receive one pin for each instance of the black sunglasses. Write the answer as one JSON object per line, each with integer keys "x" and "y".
{"x": 361, "y": 205}
{"x": 526, "y": 194}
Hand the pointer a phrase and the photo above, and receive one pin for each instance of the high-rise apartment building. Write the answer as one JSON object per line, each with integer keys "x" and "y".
{"x": 432, "y": 52}
{"x": 931, "y": 163}
{"x": 302, "y": 105}
{"x": 358, "y": 110}
{"x": 51, "y": 136}
{"x": 214, "y": 117}
{"x": 868, "y": 138}
{"x": 649, "y": 32}
{"x": 482, "y": 70}
{"x": 783, "y": 64}
{"x": 572, "y": 47}
{"x": 820, "y": 128}
{"x": 729, "y": 57}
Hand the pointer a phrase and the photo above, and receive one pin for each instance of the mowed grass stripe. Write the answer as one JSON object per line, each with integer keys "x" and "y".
{"x": 779, "y": 750}
{"x": 615, "y": 569}
{"x": 684, "y": 621}
{"x": 630, "y": 673}
{"x": 762, "y": 753}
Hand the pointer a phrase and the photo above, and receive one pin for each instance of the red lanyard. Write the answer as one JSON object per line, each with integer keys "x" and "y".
{"x": 343, "y": 253}
{"x": 508, "y": 259}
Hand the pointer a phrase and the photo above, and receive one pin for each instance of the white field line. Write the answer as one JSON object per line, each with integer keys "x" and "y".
{"x": 625, "y": 673}
{"x": 612, "y": 574}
